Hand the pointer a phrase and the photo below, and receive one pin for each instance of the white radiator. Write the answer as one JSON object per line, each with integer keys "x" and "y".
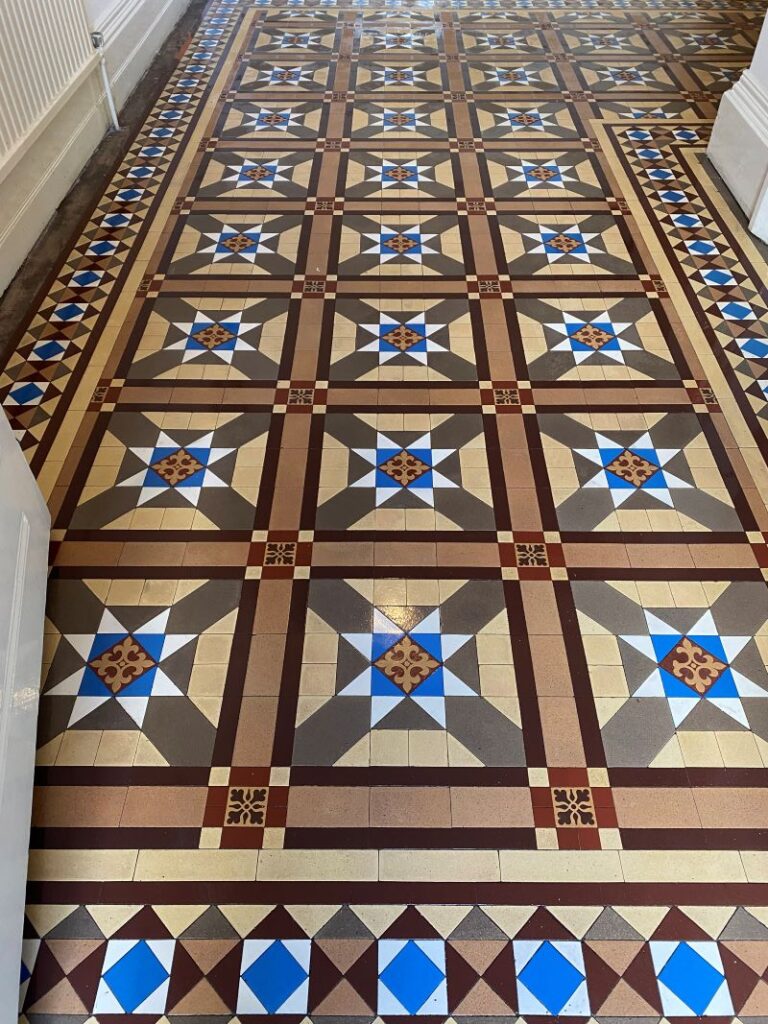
{"x": 45, "y": 53}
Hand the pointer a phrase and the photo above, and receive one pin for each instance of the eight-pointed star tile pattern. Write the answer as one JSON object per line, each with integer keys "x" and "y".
{"x": 149, "y": 474}
{"x": 186, "y": 338}
{"x": 677, "y": 672}
{"x": 403, "y": 670}
{"x": 661, "y": 474}
{"x": 402, "y": 340}
{"x": 135, "y": 664}
{"x": 586, "y": 339}
{"x": 417, "y": 473}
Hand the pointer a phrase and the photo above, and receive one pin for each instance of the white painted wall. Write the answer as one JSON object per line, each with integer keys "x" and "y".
{"x": 134, "y": 30}
{"x": 739, "y": 144}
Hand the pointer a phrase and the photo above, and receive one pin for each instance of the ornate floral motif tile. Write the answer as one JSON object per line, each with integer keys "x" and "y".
{"x": 564, "y": 243}
{"x": 533, "y": 76}
{"x": 419, "y": 77}
{"x": 504, "y": 44}
{"x": 616, "y": 40}
{"x": 520, "y": 120}
{"x": 399, "y": 120}
{"x": 399, "y": 244}
{"x": 286, "y": 76}
{"x": 293, "y": 40}
{"x": 252, "y": 120}
{"x": 640, "y": 76}
{"x": 399, "y": 174}
{"x": 397, "y": 40}
{"x": 544, "y": 174}
{"x": 244, "y": 174}
{"x": 240, "y": 245}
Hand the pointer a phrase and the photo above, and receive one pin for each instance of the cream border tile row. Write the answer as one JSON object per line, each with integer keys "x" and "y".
{"x": 598, "y": 866}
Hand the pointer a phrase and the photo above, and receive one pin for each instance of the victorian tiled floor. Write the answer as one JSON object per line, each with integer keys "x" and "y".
{"x": 402, "y": 414}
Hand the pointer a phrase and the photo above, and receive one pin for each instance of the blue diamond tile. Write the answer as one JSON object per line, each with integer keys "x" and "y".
{"x": 85, "y": 278}
{"x": 551, "y": 978}
{"x": 26, "y": 394}
{"x": 736, "y": 311}
{"x": 412, "y": 977}
{"x": 68, "y": 312}
{"x": 686, "y": 220}
{"x": 142, "y": 171}
{"x": 129, "y": 195}
{"x": 116, "y": 220}
{"x": 273, "y": 978}
{"x": 690, "y": 978}
{"x": 720, "y": 278}
{"x": 135, "y": 976}
{"x": 102, "y": 248}
{"x": 755, "y": 348}
{"x": 47, "y": 351}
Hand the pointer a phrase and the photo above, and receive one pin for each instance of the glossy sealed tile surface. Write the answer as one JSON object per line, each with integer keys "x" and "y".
{"x": 401, "y": 411}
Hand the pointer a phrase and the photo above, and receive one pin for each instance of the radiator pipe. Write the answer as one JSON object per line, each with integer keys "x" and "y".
{"x": 97, "y": 38}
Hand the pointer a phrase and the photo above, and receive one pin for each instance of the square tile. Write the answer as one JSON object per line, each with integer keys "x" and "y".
{"x": 661, "y": 672}
{"x": 421, "y": 668}
{"x": 432, "y": 476}
{"x": 659, "y": 475}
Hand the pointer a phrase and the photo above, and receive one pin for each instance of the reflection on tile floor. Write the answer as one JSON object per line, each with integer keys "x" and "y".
{"x": 402, "y": 414}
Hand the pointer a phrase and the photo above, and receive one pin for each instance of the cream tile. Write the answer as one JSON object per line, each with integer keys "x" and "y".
{"x": 82, "y": 865}
{"x": 318, "y": 865}
{"x": 196, "y": 865}
{"x": 439, "y": 866}
{"x": 709, "y": 866}
{"x": 560, "y": 866}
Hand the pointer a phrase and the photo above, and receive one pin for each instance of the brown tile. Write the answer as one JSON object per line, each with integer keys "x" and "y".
{"x": 475, "y": 807}
{"x": 562, "y": 735}
{"x": 550, "y": 666}
{"x": 327, "y": 807}
{"x": 406, "y": 807}
{"x": 731, "y": 807}
{"x": 661, "y": 807}
{"x": 164, "y": 807}
{"x": 78, "y": 806}
{"x": 255, "y": 731}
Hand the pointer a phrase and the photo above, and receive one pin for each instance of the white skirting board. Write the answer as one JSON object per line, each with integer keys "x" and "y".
{"x": 738, "y": 149}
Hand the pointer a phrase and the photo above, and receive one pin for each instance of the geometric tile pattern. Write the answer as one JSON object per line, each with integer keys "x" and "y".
{"x": 408, "y": 673}
{"x": 401, "y": 409}
{"x": 677, "y": 670}
{"x": 359, "y": 961}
